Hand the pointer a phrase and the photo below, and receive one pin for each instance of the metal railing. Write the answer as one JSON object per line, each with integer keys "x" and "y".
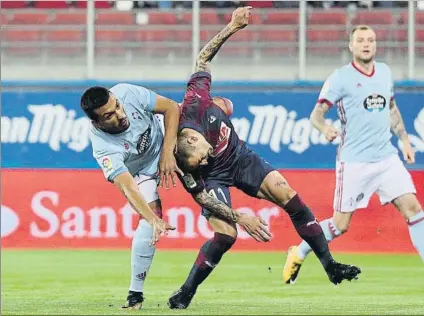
{"x": 298, "y": 46}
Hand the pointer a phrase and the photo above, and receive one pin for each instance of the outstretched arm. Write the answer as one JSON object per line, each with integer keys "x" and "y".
{"x": 239, "y": 20}
{"x": 253, "y": 225}
{"x": 218, "y": 208}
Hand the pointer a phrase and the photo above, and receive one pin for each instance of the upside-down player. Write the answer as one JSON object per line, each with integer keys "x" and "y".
{"x": 129, "y": 145}
{"x": 214, "y": 159}
{"x": 367, "y": 162}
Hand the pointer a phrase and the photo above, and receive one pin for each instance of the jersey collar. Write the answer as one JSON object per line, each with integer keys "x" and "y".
{"x": 368, "y": 75}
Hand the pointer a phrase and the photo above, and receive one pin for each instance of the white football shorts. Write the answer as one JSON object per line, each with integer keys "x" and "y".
{"x": 148, "y": 187}
{"x": 357, "y": 182}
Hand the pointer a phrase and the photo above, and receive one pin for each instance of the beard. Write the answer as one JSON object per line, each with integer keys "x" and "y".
{"x": 366, "y": 60}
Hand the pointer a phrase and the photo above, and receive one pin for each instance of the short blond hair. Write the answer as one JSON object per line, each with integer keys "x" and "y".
{"x": 361, "y": 27}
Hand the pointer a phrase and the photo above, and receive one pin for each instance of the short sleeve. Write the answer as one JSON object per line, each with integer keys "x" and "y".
{"x": 199, "y": 86}
{"x": 139, "y": 96}
{"x": 108, "y": 155}
{"x": 331, "y": 91}
{"x": 112, "y": 165}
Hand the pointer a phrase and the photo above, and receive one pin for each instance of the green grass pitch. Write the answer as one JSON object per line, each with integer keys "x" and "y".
{"x": 93, "y": 282}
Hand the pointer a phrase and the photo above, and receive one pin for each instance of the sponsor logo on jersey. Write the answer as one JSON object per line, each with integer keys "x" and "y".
{"x": 144, "y": 141}
{"x": 375, "y": 103}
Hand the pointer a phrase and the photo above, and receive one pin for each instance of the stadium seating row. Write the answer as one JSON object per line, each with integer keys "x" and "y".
{"x": 16, "y": 4}
{"x": 115, "y": 42}
{"x": 111, "y": 35}
{"x": 40, "y": 17}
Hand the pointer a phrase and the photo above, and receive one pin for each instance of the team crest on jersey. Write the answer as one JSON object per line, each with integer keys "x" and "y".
{"x": 223, "y": 139}
{"x": 144, "y": 141}
{"x": 107, "y": 164}
{"x": 375, "y": 103}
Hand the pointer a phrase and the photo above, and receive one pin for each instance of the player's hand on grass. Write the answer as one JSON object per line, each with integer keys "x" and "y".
{"x": 240, "y": 17}
{"x": 167, "y": 169}
{"x": 255, "y": 227}
{"x": 408, "y": 152}
{"x": 160, "y": 227}
{"x": 330, "y": 132}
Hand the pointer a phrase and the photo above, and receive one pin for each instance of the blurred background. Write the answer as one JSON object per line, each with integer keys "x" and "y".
{"x": 155, "y": 40}
{"x": 273, "y": 70}
{"x": 54, "y": 195}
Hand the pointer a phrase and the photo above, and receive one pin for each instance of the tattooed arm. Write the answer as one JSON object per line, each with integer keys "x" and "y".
{"x": 318, "y": 116}
{"x": 218, "y": 208}
{"x": 398, "y": 128}
{"x": 253, "y": 225}
{"x": 239, "y": 20}
{"x": 397, "y": 125}
{"x": 318, "y": 121}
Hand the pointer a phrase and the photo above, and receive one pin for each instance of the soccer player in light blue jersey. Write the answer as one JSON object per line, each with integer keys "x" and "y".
{"x": 367, "y": 162}
{"x": 130, "y": 146}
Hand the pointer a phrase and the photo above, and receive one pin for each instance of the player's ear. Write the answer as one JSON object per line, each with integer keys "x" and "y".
{"x": 350, "y": 46}
{"x": 192, "y": 139}
{"x": 95, "y": 123}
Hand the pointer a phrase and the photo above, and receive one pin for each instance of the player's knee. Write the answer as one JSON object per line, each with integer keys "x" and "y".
{"x": 277, "y": 189}
{"x": 224, "y": 242}
{"x": 408, "y": 205}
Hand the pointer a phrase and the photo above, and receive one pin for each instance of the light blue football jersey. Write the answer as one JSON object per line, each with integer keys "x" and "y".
{"x": 137, "y": 149}
{"x": 363, "y": 103}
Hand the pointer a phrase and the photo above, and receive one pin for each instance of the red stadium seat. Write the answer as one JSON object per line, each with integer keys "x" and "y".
{"x": 278, "y": 36}
{"x": 287, "y": 18}
{"x": 64, "y": 36}
{"x": 373, "y": 18}
{"x": 151, "y": 35}
{"x": 12, "y": 4}
{"x": 51, "y": 4}
{"x": 320, "y": 42}
{"x": 209, "y": 18}
{"x": 162, "y": 18}
{"x": 69, "y": 18}
{"x": 110, "y": 36}
{"x": 109, "y": 42}
{"x": 419, "y": 18}
{"x": 327, "y": 35}
{"x": 4, "y": 19}
{"x": 245, "y": 36}
{"x": 98, "y": 4}
{"x": 120, "y": 18}
{"x": 401, "y": 35}
{"x": 383, "y": 35}
{"x": 29, "y": 18}
{"x": 327, "y": 18}
{"x": 261, "y": 4}
{"x": 289, "y": 49}
{"x": 206, "y": 18}
{"x": 255, "y": 18}
{"x": 236, "y": 51}
{"x": 24, "y": 42}
{"x": 182, "y": 35}
{"x": 287, "y": 38}
{"x": 64, "y": 42}
{"x": 419, "y": 35}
